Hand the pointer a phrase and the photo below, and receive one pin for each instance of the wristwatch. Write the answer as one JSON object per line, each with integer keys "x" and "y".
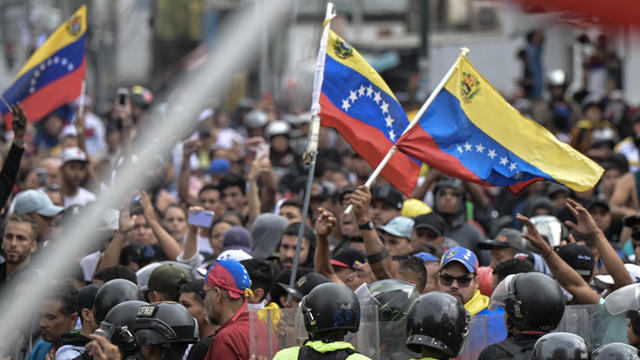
{"x": 367, "y": 226}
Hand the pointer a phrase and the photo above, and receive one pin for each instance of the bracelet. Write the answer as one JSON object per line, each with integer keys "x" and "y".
{"x": 377, "y": 257}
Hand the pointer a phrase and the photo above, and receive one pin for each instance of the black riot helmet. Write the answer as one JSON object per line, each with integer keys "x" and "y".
{"x": 329, "y": 307}
{"x": 165, "y": 324}
{"x": 532, "y": 301}
{"x": 112, "y": 293}
{"x": 118, "y": 325}
{"x": 437, "y": 320}
{"x": 561, "y": 346}
{"x": 616, "y": 351}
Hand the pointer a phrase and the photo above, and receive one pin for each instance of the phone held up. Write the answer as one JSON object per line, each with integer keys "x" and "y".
{"x": 202, "y": 218}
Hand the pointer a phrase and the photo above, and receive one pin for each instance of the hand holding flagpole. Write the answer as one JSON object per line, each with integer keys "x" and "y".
{"x": 463, "y": 52}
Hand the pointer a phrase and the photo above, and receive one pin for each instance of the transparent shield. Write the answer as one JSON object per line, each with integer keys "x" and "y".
{"x": 287, "y": 330}
{"x": 594, "y": 324}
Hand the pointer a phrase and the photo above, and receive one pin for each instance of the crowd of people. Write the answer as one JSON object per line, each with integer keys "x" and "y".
{"x": 175, "y": 272}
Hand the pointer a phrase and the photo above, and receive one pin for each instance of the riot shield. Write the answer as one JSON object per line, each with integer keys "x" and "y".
{"x": 594, "y": 324}
{"x": 273, "y": 329}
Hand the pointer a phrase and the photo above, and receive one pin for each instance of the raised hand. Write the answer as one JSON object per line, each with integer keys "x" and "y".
{"x": 325, "y": 223}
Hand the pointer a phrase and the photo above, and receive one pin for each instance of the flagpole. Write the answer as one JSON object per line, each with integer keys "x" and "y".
{"x": 311, "y": 154}
{"x": 463, "y": 52}
{"x": 82, "y": 97}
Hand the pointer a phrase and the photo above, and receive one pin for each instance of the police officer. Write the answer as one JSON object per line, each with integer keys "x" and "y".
{"x": 164, "y": 331}
{"x": 112, "y": 293}
{"x": 616, "y": 351}
{"x": 329, "y": 311}
{"x": 534, "y": 304}
{"x": 118, "y": 327}
{"x": 437, "y": 326}
{"x": 561, "y": 346}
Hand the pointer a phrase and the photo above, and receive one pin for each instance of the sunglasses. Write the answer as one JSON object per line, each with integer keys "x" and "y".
{"x": 463, "y": 281}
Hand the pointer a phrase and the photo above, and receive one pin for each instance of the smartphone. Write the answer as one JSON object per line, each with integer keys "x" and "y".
{"x": 262, "y": 149}
{"x": 203, "y": 218}
{"x": 122, "y": 96}
{"x": 135, "y": 208}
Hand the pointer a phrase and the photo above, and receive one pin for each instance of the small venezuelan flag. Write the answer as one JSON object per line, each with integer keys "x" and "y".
{"x": 357, "y": 102}
{"x": 53, "y": 75}
{"x": 470, "y": 132}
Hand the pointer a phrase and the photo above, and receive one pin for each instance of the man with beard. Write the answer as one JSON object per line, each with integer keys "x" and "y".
{"x": 458, "y": 277}
{"x": 18, "y": 243}
{"x": 74, "y": 173}
{"x": 227, "y": 289}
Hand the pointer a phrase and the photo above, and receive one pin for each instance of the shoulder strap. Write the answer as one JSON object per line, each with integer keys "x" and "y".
{"x": 508, "y": 346}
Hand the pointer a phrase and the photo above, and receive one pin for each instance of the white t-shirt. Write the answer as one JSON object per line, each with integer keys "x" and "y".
{"x": 83, "y": 197}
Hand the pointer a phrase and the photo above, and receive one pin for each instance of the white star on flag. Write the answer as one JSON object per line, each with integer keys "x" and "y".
{"x": 384, "y": 107}
{"x": 479, "y": 148}
{"x": 503, "y": 161}
{"x": 369, "y": 91}
{"x": 353, "y": 97}
{"x": 517, "y": 175}
{"x": 459, "y": 148}
{"x": 389, "y": 121}
{"x": 512, "y": 166}
{"x": 392, "y": 135}
{"x": 377, "y": 97}
{"x": 361, "y": 90}
{"x": 345, "y": 104}
{"x": 467, "y": 147}
{"x": 491, "y": 154}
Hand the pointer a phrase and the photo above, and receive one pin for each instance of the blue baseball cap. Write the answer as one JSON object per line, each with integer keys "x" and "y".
{"x": 426, "y": 257}
{"x": 462, "y": 255}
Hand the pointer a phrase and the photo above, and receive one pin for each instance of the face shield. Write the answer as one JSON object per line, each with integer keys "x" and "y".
{"x": 503, "y": 291}
{"x": 624, "y": 299}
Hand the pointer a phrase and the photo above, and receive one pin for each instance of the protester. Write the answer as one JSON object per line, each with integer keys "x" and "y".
{"x": 19, "y": 242}
{"x": 58, "y": 316}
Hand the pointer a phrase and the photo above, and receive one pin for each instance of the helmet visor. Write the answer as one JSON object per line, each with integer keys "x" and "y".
{"x": 502, "y": 292}
{"x": 624, "y": 299}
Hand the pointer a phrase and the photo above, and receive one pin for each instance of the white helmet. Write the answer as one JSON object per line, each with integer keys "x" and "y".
{"x": 277, "y": 127}
{"x": 255, "y": 119}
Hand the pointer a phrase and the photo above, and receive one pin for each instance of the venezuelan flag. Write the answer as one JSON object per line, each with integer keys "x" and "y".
{"x": 53, "y": 75}
{"x": 470, "y": 132}
{"x": 360, "y": 106}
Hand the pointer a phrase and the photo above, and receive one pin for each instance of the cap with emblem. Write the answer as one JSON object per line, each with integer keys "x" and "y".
{"x": 579, "y": 257}
{"x": 305, "y": 284}
{"x": 462, "y": 255}
{"x": 348, "y": 257}
{"x": 73, "y": 154}
{"x": 506, "y": 238}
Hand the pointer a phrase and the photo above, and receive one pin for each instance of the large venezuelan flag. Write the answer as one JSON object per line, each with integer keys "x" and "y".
{"x": 470, "y": 132}
{"x": 359, "y": 104}
{"x": 53, "y": 75}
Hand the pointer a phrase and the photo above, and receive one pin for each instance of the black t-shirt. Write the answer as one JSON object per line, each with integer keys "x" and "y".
{"x": 199, "y": 350}
{"x": 524, "y": 341}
